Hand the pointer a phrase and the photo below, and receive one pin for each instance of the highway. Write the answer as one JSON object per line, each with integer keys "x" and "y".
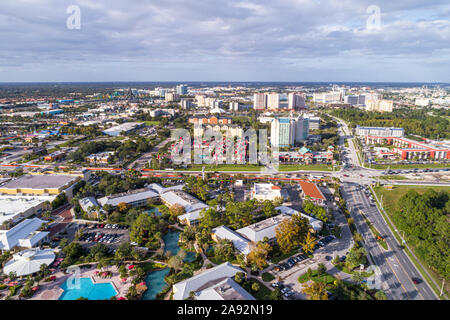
{"x": 396, "y": 267}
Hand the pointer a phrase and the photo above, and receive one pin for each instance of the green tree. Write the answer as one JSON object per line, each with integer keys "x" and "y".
{"x": 380, "y": 295}
{"x": 315, "y": 291}
{"x": 291, "y": 233}
{"x": 276, "y": 294}
{"x": 258, "y": 254}
{"x": 356, "y": 256}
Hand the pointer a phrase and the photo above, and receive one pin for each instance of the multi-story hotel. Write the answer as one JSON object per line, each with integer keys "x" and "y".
{"x": 380, "y": 105}
{"x": 273, "y": 101}
{"x": 296, "y": 100}
{"x": 259, "y": 101}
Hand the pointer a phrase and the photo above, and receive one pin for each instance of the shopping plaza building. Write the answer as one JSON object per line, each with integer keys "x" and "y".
{"x": 409, "y": 149}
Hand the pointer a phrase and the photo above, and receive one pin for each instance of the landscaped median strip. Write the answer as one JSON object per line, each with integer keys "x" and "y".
{"x": 410, "y": 255}
{"x": 376, "y": 233}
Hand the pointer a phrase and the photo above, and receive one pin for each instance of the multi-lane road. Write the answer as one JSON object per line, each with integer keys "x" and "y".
{"x": 397, "y": 270}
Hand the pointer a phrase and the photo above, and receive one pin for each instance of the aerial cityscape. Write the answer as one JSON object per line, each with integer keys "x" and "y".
{"x": 190, "y": 186}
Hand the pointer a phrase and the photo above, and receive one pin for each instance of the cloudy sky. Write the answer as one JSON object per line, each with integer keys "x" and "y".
{"x": 225, "y": 40}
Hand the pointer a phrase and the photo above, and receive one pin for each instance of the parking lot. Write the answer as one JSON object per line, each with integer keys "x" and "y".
{"x": 288, "y": 271}
{"x": 108, "y": 234}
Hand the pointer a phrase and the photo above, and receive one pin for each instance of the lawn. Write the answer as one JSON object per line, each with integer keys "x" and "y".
{"x": 390, "y": 200}
{"x": 254, "y": 167}
{"x": 262, "y": 294}
{"x": 391, "y": 197}
{"x": 409, "y": 166}
{"x": 267, "y": 277}
{"x": 342, "y": 267}
{"x": 224, "y": 167}
{"x": 151, "y": 123}
{"x": 325, "y": 278}
{"x": 393, "y": 177}
{"x": 382, "y": 242}
{"x": 309, "y": 167}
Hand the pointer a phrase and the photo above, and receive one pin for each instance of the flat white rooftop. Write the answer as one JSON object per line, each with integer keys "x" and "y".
{"x": 40, "y": 181}
{"x": 12, "y": 206}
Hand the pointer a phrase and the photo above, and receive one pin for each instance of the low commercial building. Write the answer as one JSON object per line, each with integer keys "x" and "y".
{"x": 14, "y": 209}
{"x": 316, "y": 224}
{"x": 240, "y": 243}
{"x": 122, "y": 128}
{"x": 29, "y": 261}
{"x": 226, "y": 289}
{"x": 312, "y": 192}
{"x": 306, "y": 156}
{"x": 266, "y": 191}
{"x": 24, "y": 235}
{"x": 192, "y": 206}
{"x": 46, "y": 184}
{"x": 380, "y": 131}
{"x": 243, "y": 238}
{"x": 162, "y": 112}
{"x": 101, "y": 157}
{"x": 263, "y": 229}
{"x": 134, "y": 198}
{"x": 204, "y": 280}
{"x": 409, "y": 149}
{"x": 55, "y": 156}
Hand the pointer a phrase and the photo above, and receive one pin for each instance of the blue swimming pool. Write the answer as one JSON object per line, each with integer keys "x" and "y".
{"x": 87, "y": 289}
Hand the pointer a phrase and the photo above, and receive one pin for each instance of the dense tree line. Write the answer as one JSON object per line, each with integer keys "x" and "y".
{"x": 419, "y": 122}
{"x": 425, "y": 221}
{"x": 92, "y": 147}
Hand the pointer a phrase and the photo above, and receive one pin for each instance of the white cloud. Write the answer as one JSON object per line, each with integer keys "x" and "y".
{"x": 232, "y": 37}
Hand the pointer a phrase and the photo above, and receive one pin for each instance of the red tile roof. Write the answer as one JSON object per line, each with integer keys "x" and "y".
{"x": 311, "y": 190}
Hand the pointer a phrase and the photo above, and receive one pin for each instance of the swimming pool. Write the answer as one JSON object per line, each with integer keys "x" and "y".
{"x": 87, "y": 289}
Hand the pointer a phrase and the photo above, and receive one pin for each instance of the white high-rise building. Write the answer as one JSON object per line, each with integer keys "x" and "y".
{"x": 234, "y": 106}
{"x": 170, "y": 97}
{"x": 372, "y": 96}
{"x": 181, "y": 89}
{"x": 355, "y": 99}
{"x": 259, "y": 101}
{"x": 273, "y": 101}
{"x": 296, "y": 100}
{"x": 327, "y": 97}
{"x": 201, "y": 100}
{"x": 380, "y": 105}
{"x": 185, "y": 104}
